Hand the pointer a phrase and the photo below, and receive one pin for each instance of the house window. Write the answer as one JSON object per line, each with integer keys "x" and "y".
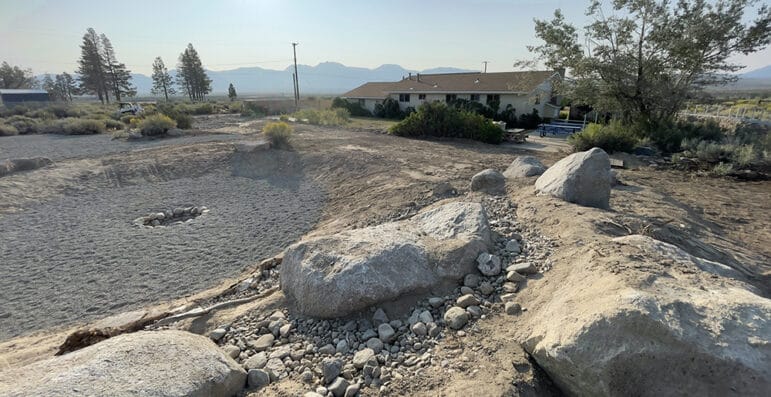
{"x": 493, "y": 98}
{"x": 404, "y": 97}
{"x": 422, "y": 97}
{"x": 361, "y": 102}
{"x": 475, "y": 97}
{"x": 450, "y": 97}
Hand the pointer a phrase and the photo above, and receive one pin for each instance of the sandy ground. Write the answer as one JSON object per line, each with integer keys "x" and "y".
{"x": 368, "y": 178}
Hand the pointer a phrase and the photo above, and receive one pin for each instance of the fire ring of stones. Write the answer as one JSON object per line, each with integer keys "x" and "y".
{"x": 176, "y": 216}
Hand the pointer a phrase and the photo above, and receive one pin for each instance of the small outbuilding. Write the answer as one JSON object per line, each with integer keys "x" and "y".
{"x": 11, "y": 97}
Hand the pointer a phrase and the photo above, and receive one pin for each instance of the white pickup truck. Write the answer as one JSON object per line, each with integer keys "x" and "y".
{"x": 128, "y": 108}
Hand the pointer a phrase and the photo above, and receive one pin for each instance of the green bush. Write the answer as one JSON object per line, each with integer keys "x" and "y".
{"x": 278, "y": 133}
{"x": 613, "y": 137}
{"x": 157, "y": 124}
{"x": 184, "y": 121}
{"x": 84, "y": 127}
{"x": 438, "y": 119}
{"x": 253, "y": 109}
{"x": 8, "y": 130}
{"x": 354, "y": 108}
{"x": 389, "y": 109}
{"x": 328, "y": 117}
{"x": 24, "y": 124}
{"x": 668, "y": 136}
{"x": 62, "y": 111}
{"x": 126, "y": 118}
{"x": 529, "y": 121}
{"x": 113, "y": 125}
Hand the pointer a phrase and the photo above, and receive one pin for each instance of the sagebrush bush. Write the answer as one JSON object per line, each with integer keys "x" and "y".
{"x": 253, "y": 109}
{"x": 8, "y": 130}
{"x": 157, "y": 124}
{"x": 114, "y": 125}
{"x": 278, "y": 133}
{"x": 354, "y": 108}
{"x": 668, "y": 136}
{"x": 24, "y": 124}
{"x": 438, "y": 119}
{"x": 328, "y": 117}
{"x": 613, "y": 137}
{"x": 84, "y": 126}
{"x": 184, "y": 121}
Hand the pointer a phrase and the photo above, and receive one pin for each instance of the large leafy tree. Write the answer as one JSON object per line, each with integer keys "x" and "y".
{"x": 162, "y": 81}
{"x": 191, "y": 76}
{"x": 118, "y": 77}
{"x": 642, "y": 59}
{"x": 12, "y": 77}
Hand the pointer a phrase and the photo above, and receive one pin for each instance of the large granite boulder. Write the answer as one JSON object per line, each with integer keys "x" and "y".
{"x": 159, "y": 363}
{"x": 688, "y": 331}
{"x": 523, "y": 167}
{"x": 488, "y": 181}
{"x": 336, "y": 275}
{"x": 582, "y": 178}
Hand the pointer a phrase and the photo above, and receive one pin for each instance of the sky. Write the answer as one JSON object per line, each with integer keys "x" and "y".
{"x": 45, "y": 35}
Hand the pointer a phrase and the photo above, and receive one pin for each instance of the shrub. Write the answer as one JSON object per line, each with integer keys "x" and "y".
{"x": 202, "y": 108}
{"x": 126, "y": 118}
{"x": 184, "y": 121}
{"x": 83, "y": 127}
{"x": 24, "y": 124}
{"x": 278, "y": 133}
{"x": 438, "y": 119}
{"x": 354, "y": 108}
{"x": 157, "y": 124}
{"x": 8, "y": 130}
{"x": 613, "y": 137}
{"x": 389, "y": 109}
{"x": 43, "y": 114}
{"x": 114, "y": 124}
{"x": 668, "y": 136}
{"x": 508, "y": 115}
{"x": 529, "y": 121}
{"x": 253, "y": 109}
{"x": 62, "y": 111}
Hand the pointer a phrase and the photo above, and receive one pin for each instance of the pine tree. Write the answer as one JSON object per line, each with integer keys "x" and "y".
{"x": 16, "y": 77}
{"x": 91, "y": 67}
{"x": 162, "y": 82}
{"x": 118, "y": 76}
{"x": 50, "y": 86}
{"x": 69, "y": 88}
{"x": 191, "y": 77}
{"x": 232, "y": 92}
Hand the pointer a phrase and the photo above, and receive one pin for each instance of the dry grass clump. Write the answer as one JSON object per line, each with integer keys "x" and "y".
{"x": 278, "y": 133}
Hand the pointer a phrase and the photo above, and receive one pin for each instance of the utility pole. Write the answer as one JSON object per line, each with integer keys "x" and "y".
{"x": 485, "y": 62}
{"x": 296, "y": 79}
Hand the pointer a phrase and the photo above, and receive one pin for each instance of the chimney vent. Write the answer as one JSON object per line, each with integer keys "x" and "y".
{"x": 418, "y": 76}
{"x": 410, "y": 75}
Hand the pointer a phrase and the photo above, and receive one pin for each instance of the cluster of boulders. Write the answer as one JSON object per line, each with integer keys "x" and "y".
{"x": 370, "y": 349}
{"x": 170, "y": 217}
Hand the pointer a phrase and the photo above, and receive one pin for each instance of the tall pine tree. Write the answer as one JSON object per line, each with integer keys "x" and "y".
{"x": 191, "y": 77}
{"x": 162, "y": 82}
{"x": 118, "y": 79}
{"x": 90, "y": 71}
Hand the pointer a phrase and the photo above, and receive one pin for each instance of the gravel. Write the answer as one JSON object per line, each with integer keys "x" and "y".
{"x": 79, "y": 257}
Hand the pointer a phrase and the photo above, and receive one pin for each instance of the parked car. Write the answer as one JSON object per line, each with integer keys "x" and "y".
{"x": 128, "y": 108}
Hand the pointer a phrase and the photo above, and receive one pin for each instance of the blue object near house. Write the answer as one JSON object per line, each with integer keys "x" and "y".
{"x": 11, "y": 97}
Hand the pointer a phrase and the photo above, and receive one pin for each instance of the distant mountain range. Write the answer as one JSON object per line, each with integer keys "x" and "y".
{"x": 324, "y": 78}
{"x": 762, "y": 73}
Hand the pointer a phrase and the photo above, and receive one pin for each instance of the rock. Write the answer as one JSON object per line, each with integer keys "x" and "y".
{"x": 257, "y": 378}
{"x": 322, "y": 390}
{"x": 284, "y": 330}
{"x": 522, "y": 268}
{"x": 331, "y": 369}
{"x": 489, "y": 265}
{"x": 256, "y": 361}
{"x": 379, "y": 317}
{"x": 513, "y": 247}
{"x": 444, "y": 189}
{"x": 513, "y": 276}
{"x": 275, "y": 368}
{"x": 512, "y": 308}
{"x": 217, "y": 334}
{"x": 149, "y": 363}
{"x": 664, "y": 332}
{"x": 342, "y": 347}
{"x": 375, "y": 344}
{"x": 361, "y": 357}
{"x": 426, "y": 317}
{"x": 467, "y": 300}
{"x": 313, "y": 394}
{"x": 352, "y": 390}
{"x": 386, "y": 333}
{"x": 435, "y": 302}
{"x": 263, "y": 342}
{"x": 582, "y": 178}
{"x": 433, "y": 329}
{"x": 523, "y": 167}
{"x": 488, "y": 181}
{"x": 327, "y": 349}
{"x": 471, "y": 280}
{"x": 419, "y": 329}
{"x": 486, "y": 288}
{"x": 474, "y": 311}
{"x": 338, "y": 387}
{"x": 455, "y": 317}
{"x": 231, "y": 350}
{"x": 466, "y": 290}
{"x": 336, "y": 275}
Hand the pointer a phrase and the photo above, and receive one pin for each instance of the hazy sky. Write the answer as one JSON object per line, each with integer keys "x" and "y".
{"x": 418, "y": 34}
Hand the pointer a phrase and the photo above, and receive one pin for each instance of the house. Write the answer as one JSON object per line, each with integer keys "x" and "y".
{"x": 524, "y": 91}
{"x": 10, "y": 97}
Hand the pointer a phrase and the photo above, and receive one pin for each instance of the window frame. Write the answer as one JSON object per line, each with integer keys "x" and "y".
{"x": 493, "y": 97}
{"x": 404, "y": 98}
{"x": 421, "y": 97}
{"x": 474, "y": 97}
{"x": 450, "y": 97}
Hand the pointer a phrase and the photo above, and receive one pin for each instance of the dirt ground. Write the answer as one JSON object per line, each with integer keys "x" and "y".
{"x": 369, "y": 177}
